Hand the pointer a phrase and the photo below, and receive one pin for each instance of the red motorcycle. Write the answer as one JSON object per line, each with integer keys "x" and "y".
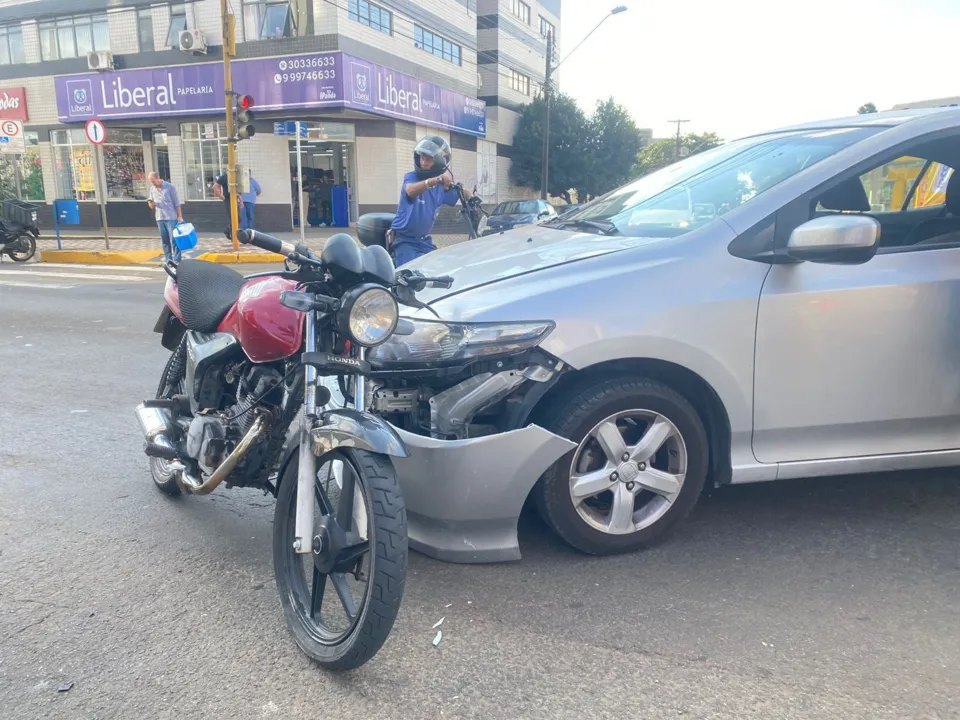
{"x": 239, "y": 403}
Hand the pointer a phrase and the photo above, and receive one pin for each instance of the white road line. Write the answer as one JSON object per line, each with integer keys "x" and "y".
{"x": 82, "y": 276}
{"x": 49, "y": 286}
{"x": 131, "y": 268}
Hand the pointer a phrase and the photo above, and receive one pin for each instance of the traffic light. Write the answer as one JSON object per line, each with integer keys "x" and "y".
{"x": 245, "y": 127}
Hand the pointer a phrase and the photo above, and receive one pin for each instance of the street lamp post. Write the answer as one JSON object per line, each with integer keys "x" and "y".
{"x": 548, "y": 92}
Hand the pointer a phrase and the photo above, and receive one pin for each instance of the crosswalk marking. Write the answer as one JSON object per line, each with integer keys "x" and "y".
{"x": 81, "y": 276}
{"x": 47, "y": 286}
{"x": 78, "y": 266}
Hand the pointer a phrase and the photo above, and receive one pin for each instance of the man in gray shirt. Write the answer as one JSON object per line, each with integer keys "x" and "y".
{"x": 165, "y": 201}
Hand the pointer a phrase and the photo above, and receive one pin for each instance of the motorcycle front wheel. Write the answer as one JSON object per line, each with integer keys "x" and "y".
{"x": 341, "y": 600}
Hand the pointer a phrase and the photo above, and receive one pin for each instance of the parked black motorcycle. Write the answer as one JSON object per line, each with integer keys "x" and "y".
{"x": 18, "y": 230}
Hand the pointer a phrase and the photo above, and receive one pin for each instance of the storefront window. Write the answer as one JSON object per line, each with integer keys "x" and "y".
{"x": 21, "y": 175}
{"x": 73, "y": 164}
{"x": 204, "y": 155}
{"x": 161, "y": 154}
{"x": 123, "y": 165}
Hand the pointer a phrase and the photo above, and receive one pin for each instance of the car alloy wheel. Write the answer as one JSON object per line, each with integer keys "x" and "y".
{"x": 628, "y": 471}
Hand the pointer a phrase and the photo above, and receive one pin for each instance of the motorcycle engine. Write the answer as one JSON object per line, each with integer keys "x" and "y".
{"x": 212, "y": 436}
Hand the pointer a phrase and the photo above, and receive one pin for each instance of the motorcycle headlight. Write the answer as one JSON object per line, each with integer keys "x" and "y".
{"x": 368, "y": 314}
{"x": 447, "y": 343}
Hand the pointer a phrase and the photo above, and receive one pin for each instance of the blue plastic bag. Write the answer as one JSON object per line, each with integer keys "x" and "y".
{"x": 185, "y": 236}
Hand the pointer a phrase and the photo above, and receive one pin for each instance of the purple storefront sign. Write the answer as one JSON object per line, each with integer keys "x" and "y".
{"x": 282, "y": 83}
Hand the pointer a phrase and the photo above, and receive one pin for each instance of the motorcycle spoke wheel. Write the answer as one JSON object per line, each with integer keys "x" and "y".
{"x": 341, "y": 600}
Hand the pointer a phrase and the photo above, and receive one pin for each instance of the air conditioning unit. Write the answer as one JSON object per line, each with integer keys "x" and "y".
{"x": 100, "y": 60}
{"x": 192, "y": 41}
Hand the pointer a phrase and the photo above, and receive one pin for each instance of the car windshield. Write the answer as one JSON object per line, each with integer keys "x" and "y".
{"x": 517, "y": 207}
{"x": 690, "y": 193}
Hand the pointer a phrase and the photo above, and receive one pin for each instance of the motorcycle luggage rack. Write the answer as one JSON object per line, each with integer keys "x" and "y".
{"x": 20, "y": 212}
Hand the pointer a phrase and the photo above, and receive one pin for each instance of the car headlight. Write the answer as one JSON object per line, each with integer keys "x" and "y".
{"x": 368, "y": 314}
{"x": 446, "y": 343}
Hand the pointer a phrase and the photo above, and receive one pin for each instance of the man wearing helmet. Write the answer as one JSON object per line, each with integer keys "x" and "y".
{"x": 423, "y": 192}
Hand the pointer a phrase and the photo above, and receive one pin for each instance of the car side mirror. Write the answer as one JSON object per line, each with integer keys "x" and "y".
{"x": 840, "y": 239}
{"x": 544, "y": 213}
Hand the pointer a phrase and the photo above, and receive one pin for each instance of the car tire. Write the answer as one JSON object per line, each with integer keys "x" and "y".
{"x": 585, "y": 418}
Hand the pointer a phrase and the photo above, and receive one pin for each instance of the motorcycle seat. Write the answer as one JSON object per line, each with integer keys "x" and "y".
{"x": 207, "y": 292}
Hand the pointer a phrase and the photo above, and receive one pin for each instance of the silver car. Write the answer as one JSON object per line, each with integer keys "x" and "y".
{"x": 786, "y": 305}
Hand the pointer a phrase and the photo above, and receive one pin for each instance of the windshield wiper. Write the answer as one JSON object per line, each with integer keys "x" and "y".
{"x": 604, "y": 227}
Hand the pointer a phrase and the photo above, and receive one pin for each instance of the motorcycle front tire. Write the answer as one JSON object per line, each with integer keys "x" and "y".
{"x": 386, "y": 522}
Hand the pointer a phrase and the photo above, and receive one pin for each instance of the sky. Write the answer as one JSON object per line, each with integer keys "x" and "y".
{"x": 745, "y": 66}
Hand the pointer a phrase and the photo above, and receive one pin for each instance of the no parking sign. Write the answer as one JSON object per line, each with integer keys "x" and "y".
{"x": 11, "y": 137}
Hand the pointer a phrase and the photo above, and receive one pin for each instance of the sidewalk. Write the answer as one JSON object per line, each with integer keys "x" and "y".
{"x": 134, "y": 246}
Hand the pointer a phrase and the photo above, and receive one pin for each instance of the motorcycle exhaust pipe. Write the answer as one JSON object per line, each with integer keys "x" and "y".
{"x": 155, "y": 423}
{"x": 195, "y": 487}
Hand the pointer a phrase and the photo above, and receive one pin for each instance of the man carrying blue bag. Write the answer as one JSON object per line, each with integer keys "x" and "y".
{"x": 165, "y": 202}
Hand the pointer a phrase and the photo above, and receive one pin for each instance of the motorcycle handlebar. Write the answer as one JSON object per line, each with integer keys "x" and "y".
{"x": 265, "y": 242}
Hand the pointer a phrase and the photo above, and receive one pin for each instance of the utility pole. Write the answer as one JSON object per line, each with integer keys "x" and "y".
{"x": 545, "y": 166}
{"x": 676, "y": 151}
{"x": 230, "y": 49}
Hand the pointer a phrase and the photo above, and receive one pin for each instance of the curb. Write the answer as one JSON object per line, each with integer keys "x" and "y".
{"x": 150, "y": 257}
{"x": 101, "y": 257}
{"x": 233, "y": 258}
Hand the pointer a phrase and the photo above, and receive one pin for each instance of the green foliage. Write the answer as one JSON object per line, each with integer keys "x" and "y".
{"x": 568, "y": 159}
{"x": 664, "y": 152}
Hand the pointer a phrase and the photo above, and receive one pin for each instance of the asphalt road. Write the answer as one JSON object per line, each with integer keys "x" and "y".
{"x": 833, "y": 598}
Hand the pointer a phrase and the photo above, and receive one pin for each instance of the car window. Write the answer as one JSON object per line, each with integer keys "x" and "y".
{"x": 516, "y": 207}
{"x": 908, "y": 183}
{"x": 906, "y": 195}
{"x": 694, "y": 191}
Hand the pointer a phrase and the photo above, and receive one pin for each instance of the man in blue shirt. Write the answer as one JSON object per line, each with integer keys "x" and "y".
{"x": 247, "y": 202}
{"x": 423, "y": 192}
{"x": 165, "y": 202}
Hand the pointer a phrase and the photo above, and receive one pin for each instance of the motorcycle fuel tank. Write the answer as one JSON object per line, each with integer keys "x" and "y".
{"x": 267, "y": 330}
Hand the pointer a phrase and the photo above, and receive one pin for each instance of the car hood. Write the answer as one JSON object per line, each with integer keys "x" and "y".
{"x": 486, "y": 260}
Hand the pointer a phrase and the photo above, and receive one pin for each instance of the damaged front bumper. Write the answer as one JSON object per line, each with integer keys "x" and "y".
{"x": 464, "y": 497}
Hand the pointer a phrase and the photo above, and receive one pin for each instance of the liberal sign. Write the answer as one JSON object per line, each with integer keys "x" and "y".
{"x": 281, "y": 83}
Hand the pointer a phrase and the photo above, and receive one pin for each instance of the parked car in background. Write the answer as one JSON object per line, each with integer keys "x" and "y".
{"x": 781, "y": 306}
{"x": 567, "y": 209}
{"x": 514, "y": 213}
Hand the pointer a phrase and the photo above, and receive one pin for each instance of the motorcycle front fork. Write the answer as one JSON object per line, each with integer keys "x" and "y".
{"x": 307, "y": 469}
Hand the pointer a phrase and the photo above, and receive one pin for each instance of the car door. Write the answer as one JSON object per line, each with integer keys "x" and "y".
{"x": 862, "y": 360}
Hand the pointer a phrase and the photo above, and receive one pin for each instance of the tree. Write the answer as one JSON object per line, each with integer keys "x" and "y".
{"x": 866, "y": 109}
{"x": 568, "y": 141}
{"x": 612, "y": 144}
{"x": 664, "y": 152}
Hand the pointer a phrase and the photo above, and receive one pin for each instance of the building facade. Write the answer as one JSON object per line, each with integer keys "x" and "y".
{"x": 364, "y": 79}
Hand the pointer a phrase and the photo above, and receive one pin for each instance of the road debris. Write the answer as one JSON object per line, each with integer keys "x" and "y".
{"x": 438, "y": 623}
{"x": 65, "y": 687}
{"x": 436, "y": 640}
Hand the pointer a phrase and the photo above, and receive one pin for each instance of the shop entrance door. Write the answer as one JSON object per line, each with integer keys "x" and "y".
{"x": 325, "y": 165}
